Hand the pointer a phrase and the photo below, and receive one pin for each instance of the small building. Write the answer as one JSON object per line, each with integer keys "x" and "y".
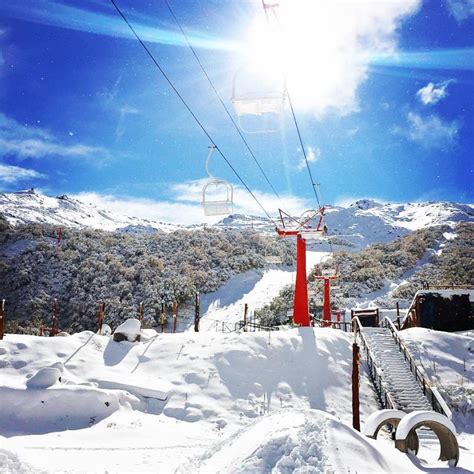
{"x": 442, "y": 309}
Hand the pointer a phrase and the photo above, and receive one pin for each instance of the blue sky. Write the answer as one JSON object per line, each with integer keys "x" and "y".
{"x": 383, "y": 93}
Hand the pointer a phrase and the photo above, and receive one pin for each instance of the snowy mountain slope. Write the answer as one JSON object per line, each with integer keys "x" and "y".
{"x": 362, "y": 223}
{"x": 252, "y": 288}
{"x": 365, "y": 222}
{"x": 29, "y": 206}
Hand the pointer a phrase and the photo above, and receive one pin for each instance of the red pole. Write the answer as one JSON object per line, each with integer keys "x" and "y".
{"x": 338, "y": 316}
{"x": 327, "y": 302}
{"x": 300, "y": 302}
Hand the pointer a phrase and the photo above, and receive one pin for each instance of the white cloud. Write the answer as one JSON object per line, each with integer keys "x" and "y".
{"x": 12, "y": 174}
{"x": 327, "y": 47}
{"x": 461, "y": 9}
{"x": 312, "y": 155}
{"x": 25, "y": 141}
{"x": 31, "y": 148}
{"x": 433, "y": 93}
{"x": 431, "y": 131}
{"x": 184, "y": 204}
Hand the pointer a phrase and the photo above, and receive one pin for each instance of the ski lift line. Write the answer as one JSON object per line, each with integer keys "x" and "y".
{"x": 266, "y": 7}
{"x": 220, "y": 99}
{"x": 155, "y": 62}
{"x": 313, "y": 184}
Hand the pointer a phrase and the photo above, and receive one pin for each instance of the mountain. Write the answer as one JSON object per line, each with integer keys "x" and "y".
{"x": 356, "y": 226}
{"x": 25, "y": 207}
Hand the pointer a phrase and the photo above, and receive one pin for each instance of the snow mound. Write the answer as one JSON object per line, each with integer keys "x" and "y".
{"x": 129, "y": 330}
{"x": 69, "y": 407}
{"x": 44, "y": 378}
{"x": 299, "y": 441}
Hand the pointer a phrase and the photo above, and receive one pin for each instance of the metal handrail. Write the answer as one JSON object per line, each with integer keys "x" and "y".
{"x": 437, "y": 402}
{"x": 342, "y": 325}
{"x": 385, "y": 397}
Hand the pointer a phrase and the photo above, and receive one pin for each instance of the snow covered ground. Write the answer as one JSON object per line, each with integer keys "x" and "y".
{"x": 234, "y": 402}
{"x": 226, "y": 305}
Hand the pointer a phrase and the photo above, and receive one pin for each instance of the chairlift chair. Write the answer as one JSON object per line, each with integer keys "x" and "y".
{"x": 252, "y": 100}
{"x": 224, "y": 204}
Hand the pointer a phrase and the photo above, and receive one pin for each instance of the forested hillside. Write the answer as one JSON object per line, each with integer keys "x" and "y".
{"x": 386, "y": 273}
{"x": 118, "y": 268}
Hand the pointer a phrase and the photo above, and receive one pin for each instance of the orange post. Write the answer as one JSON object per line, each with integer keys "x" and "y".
{"x": 140, "y": 311}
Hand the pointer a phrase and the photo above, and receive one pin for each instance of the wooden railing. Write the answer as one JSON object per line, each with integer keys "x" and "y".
{"x": 437, "y": 402}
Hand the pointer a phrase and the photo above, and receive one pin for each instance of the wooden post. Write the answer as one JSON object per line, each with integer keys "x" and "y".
{"x": 197, "y": 309}
{"x": 175, "y": 315}
{"x": 140, "y": 311}
{"x": 246, "y": 310}
{"x": 355, "y": 387}
{"x": 2, "y": 319}
{"x": 398, "y": 309}
{"x": 100, "y": 317}
{"x": 54, "y": 319}
{"x": 162, "y": 317}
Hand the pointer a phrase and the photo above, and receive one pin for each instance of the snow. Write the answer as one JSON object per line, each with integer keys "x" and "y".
{"x": 299, "y": 441}
{"x": 130, "y": 329}
{"x": 361, "y": 224}
{"x": 372, "y": 423}
{"x": 26, "y": 207}
{"x": 229, "y": 402}
{"x": 226, "y": 305}
{"x": 415, "y": 417}
{"x": 447, "y": 293}
{"x": 44, "y": 378}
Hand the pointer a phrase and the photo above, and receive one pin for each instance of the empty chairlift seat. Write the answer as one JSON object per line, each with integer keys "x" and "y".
{"x": 217, "y": 194}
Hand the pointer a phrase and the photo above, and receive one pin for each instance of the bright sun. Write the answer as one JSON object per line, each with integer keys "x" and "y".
{"x": 323, "y": 47}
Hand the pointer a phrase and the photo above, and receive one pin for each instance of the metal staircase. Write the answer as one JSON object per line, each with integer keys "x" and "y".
{"x": 399, "y": 382}
{"x": 406, "y": 393}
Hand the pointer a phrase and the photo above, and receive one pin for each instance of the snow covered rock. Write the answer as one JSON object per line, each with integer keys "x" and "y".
{"x": 105, "y": 330}
{"x": 128, "y": 331}
{"x": 44, "y": 378}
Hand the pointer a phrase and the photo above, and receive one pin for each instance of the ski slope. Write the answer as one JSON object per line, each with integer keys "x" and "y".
{"x": 226, "y": 305}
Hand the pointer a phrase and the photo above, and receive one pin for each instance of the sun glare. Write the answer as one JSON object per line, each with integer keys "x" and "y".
{"x": 322, "y": 48}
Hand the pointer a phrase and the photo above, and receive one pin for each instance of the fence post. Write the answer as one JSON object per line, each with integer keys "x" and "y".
{"x": 197, "y": 312}
{"x": 2, "y": 319}
{"x": 54, "y": 319}
{"x": 355, "y": 387}
{"x": 246, "y": 309}
{"x": 162, "y": 317}
{"x": 175, "y": 315}
{"x": 100, "y": 317}
{"x": 140, "y": 311}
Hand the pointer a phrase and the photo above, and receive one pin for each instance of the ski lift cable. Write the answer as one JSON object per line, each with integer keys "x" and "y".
{"x": 155, "y": 62}
{"x": 220, "y": 99}
{"x": 313, "y": 184}
{"x": 267, "y": 7}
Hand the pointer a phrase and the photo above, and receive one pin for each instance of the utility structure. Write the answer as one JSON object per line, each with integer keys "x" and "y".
{"x": 309, "y": 226}
{"x": 327, "y": 275}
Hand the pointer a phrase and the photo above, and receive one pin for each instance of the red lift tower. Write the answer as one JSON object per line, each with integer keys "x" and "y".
{"x": 303, "y": 228}
{"x": 327, "y": 276}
